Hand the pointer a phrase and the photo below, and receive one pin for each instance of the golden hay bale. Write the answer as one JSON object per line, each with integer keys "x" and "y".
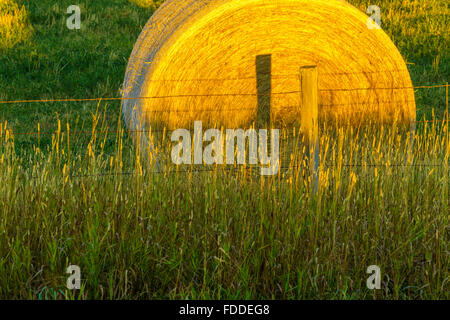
{"x": 198, "y": 58}
{"x": 14, "y": 24}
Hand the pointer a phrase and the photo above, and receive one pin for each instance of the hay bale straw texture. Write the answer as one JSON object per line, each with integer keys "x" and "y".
{"x": 198, "y": 58}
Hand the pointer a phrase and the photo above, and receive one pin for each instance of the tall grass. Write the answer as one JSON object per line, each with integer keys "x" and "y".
{"x": 226, "y": 234}
{"x": 77, "y": 193}
{"x": 14, "y": 24}
{"x": 148, "y": 3}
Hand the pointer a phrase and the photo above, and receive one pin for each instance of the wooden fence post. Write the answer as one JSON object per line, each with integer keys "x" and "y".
{"x": 309, "y": 114}
{"x": 264, "y": 89}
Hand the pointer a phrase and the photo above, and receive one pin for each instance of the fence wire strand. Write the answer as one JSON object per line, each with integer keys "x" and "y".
{"x": 206, "y": 95}
{"x": 116, "y": 132}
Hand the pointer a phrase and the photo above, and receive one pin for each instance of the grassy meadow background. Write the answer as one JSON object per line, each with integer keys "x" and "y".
{"x": 73, "y": 190}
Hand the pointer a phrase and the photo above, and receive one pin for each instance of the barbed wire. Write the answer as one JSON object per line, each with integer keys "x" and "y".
{"x": 115, "y": 131}
{"x": 213, "y": 168}
{"x": 146, "y": 112}
{"x": 275, "y": 76}
{"x": 384, "y": 88}
{"x": 148, "y": 97}
{"x": 209, "y": 95}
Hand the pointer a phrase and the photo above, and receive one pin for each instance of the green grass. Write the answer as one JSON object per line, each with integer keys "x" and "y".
{"x": 135, "y": 235}
{"x": 62, "y": 63}
{"x": 228, "y": 234}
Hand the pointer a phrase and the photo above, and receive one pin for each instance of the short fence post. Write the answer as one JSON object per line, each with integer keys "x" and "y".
{"x": 264, "y": 89}
{"x": 309, "y": 114}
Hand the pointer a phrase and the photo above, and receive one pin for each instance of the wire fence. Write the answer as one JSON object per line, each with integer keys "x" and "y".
{"x": 169, "y": 111}
{"x": 115, "y": 132}
{"x": 211, "y": 95}
{"x": 214, "y": 169}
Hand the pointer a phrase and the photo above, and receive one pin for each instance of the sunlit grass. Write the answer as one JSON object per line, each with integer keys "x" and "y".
{"x": 14, "y": 24}
{"x": 225, "y": 232}
{"x": 147, "y": 3}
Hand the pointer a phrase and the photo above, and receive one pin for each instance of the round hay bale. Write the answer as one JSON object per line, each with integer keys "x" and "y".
{"x": 195, "y": 60}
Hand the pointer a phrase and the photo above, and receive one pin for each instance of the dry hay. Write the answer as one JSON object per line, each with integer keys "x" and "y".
{"x": 14, "y": 24}
{"x": 198, "y": 58}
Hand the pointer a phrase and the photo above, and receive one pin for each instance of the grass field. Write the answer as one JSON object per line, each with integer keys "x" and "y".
{"x": 215, "y": 234}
